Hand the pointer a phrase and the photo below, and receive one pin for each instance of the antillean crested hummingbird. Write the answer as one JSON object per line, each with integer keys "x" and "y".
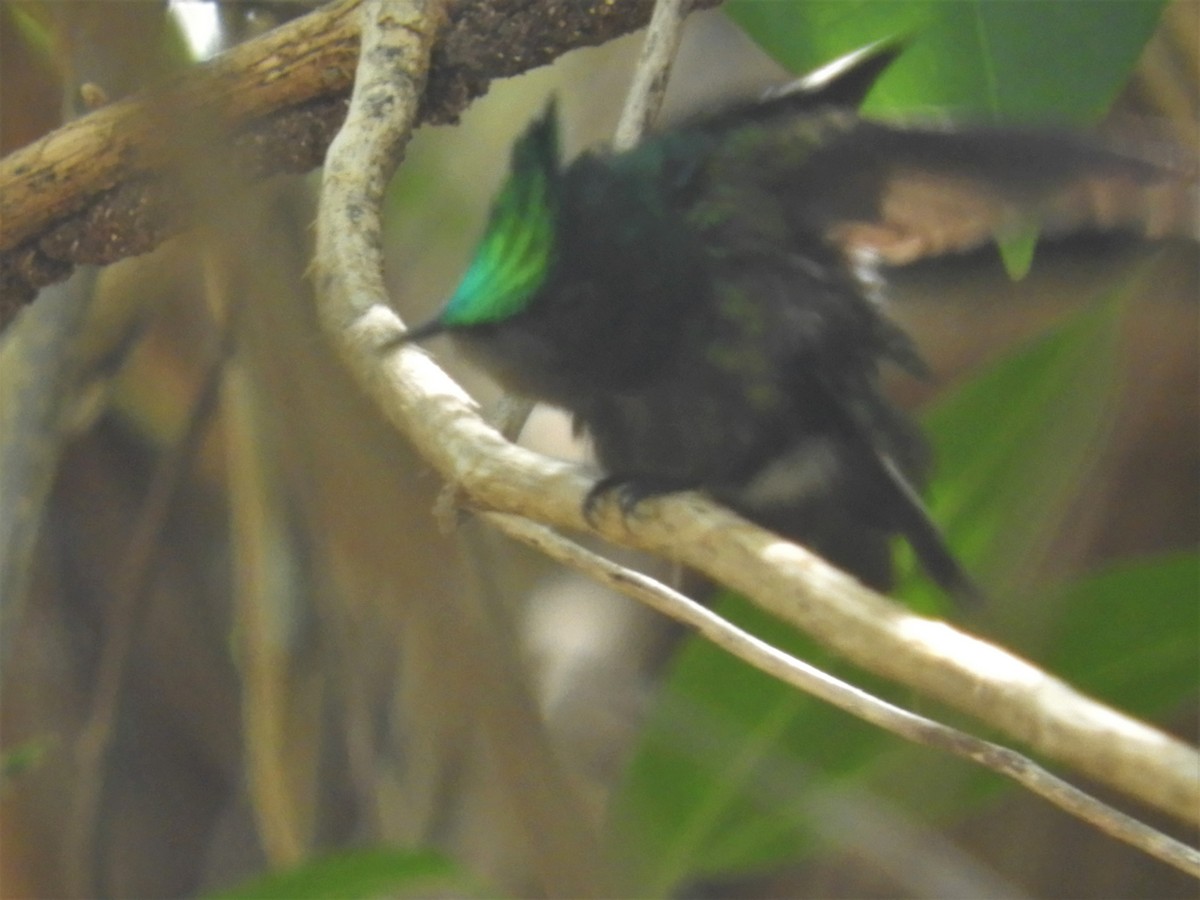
{"x": 706, "y": 305}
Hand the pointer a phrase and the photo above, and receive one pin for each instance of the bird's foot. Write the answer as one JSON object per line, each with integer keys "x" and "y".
{"x": 628, "y": 491}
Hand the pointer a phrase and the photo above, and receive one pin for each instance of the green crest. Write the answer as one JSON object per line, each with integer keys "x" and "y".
{"x": 515, "y": 253}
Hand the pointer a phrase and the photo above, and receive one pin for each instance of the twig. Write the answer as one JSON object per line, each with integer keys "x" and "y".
{"x": 652, "y": 71}
{"x": 120, "y": 629}
{"x": 40, "y": 377}
{"x": 856, "y": 702}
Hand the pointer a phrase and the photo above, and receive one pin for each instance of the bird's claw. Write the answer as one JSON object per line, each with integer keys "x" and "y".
{"x": 628, "y": 491}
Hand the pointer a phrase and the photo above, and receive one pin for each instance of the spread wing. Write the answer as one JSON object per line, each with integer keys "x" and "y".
{"x": 901, "y": 194}
{"x": 920, "y": 193}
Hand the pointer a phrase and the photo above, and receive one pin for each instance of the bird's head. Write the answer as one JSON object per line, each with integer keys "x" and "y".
{"x": 514, "y": 257}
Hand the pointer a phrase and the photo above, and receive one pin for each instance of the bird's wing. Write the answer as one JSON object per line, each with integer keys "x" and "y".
{"x": 889, "y": 480}
{"x": 903, "y": 194}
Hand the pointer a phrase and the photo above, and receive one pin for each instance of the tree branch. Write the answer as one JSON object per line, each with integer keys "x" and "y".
{"x": 99, "y": 189}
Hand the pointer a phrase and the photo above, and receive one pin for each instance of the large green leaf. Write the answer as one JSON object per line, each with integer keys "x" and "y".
{"x": 1006, "y": 60}
{"x": 359, "y": 875}
{"x": 1013, "y": 444}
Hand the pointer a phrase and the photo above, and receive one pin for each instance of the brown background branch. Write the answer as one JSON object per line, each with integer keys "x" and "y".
{"x": 99, "y": 189}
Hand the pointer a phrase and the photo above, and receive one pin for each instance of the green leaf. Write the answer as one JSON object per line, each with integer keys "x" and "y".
{"x": 358, "y": 875}
{"x": 1016, "y": 251}
{"x": 719, "y": 782}
{"x": 1001, "y": 60}
{"x": 1012, "y": 447}
{"x": 1128, "y": 635}
{"x": 803, "y": 35}
{"x": 33, "y": 29}
{"x": 22, "y": 759}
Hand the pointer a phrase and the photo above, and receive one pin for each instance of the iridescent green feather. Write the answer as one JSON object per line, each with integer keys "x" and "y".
{"x": 516, "y": 251}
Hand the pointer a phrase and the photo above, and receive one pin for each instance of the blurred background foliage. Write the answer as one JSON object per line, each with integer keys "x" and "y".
{"x": 240, "y": 642}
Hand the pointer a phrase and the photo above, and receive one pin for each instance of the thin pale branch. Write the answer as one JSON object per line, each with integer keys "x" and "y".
{"x": 790, "y": 670}
{"x": 652, "y": 71}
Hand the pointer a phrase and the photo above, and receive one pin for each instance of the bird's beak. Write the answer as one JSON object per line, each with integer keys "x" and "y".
{"x": 416, "y": 334}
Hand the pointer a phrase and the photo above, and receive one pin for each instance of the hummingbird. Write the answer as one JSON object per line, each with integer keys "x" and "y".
{"x": 707, "y": 306}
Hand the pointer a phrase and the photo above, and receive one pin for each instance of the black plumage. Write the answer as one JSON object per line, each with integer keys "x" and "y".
{"x": 706, "y": 305}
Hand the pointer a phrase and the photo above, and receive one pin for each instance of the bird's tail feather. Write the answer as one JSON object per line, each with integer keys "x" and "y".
{"x": 926, "y": 539}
